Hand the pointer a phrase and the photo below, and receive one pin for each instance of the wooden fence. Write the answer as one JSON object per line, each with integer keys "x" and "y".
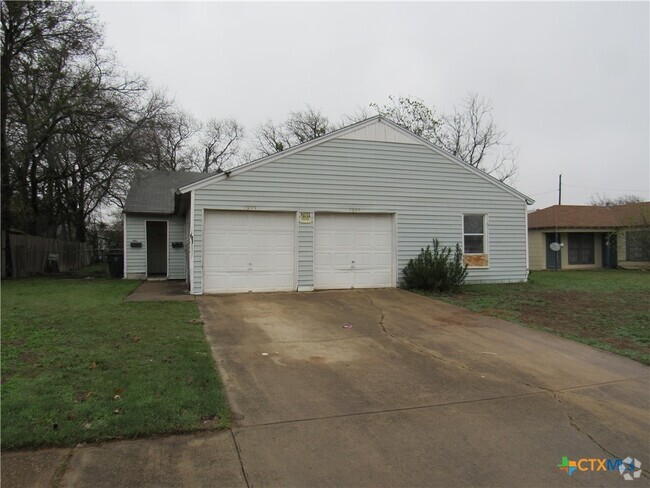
{"x": 33, "y": 256}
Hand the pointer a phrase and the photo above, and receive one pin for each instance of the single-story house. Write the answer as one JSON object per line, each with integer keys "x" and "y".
{"x": 346, "y": 210}
{"x": 589, "y": 236}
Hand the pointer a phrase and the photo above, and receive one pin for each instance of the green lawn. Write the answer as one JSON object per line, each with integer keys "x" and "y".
{"x": 609, "y": 309}
{"x": 80, "y": 364}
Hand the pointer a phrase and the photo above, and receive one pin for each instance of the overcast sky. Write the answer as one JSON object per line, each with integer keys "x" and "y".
{"x": 569, "y": 81}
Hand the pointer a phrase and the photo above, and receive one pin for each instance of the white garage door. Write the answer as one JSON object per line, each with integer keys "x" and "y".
{"x": 248, "y": 251}
{"x": 353, "y": 251}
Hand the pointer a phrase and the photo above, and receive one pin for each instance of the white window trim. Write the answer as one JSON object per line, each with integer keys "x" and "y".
{"x": 486, "y": 240}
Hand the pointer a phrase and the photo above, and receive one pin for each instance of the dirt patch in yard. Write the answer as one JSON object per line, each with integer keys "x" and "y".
{"x": 589, "y": 316}
{"x": 28, "y": 357}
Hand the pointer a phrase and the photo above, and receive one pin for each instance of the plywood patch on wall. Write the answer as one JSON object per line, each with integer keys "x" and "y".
{"x": 476, "y": 260}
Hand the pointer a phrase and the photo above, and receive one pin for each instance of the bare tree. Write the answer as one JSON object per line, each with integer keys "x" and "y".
{"x": 91, "y": 158}
{"x": 300, "y": 126}
{"x": 472, "y": 135}
{"x": 220, "y": 143}
{"x": 33, "y": 33}
{"x": 359, "y": 114}
{"x": 68, "y": 114}
{"x": 469, "y": 133}
{"x": 603, "y": 200}
{"x": 167, "y": 141}
{"x": 270, "y": 138}
{"x": 177, "y": 130}
{"x": 307, "y": 124}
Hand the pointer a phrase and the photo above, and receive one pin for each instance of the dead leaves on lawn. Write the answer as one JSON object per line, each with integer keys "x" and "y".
{"x": 135, "y": 338}
{"x": 83, "y": 396}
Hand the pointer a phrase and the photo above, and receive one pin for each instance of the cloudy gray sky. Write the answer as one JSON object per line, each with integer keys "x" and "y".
{"x": 569, "y": 81}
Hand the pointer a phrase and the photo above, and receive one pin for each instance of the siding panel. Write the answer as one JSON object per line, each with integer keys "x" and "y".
{"x": 136, "y": 258}
{"x": 428, "y": 192}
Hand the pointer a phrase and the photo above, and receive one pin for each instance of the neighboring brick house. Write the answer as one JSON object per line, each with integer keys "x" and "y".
{"x": 591, "y": 237}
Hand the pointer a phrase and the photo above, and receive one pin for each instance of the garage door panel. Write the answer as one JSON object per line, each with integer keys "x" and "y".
{"x": 371, "y": 279}
{"x": 353, "y": 251}
{"x": 249, "y": 251}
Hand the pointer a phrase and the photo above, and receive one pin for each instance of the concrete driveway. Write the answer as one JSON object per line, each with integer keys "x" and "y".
{"x": 417, "y": 393}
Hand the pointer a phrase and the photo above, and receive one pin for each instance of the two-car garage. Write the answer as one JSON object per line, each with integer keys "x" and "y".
{"x": 258, "y": 251}
{"x": 348, "y": 209}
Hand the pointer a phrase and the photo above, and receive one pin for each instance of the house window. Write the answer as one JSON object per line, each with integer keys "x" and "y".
{"x": 637, "y": 245}
{"x": 581, "y": 248}
{"x": 474, "y": 234}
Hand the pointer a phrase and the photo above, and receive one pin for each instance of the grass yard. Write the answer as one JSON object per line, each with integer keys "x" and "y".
{"x": 609, "y": 309}
{"x": 80, "y": 364}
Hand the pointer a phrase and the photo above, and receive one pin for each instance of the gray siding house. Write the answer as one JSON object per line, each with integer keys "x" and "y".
{"x": 347, "y": 210}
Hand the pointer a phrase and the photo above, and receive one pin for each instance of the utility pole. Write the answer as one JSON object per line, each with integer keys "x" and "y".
{"x": 557, "y": 234}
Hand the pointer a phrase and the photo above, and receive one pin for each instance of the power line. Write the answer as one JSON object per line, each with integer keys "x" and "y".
{"x": 604, "y": 189}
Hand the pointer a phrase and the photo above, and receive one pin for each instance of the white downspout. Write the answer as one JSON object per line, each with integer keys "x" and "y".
{"x": 124, "y": 244}
{"x": 191, "y": 243}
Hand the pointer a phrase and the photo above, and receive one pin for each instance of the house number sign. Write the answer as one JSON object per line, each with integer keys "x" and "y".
{"x": 306, "y": 217}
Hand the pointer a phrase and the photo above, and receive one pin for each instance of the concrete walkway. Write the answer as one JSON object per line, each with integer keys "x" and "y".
{"x": 161, "y": 291}
{"x": 199, "y": 460}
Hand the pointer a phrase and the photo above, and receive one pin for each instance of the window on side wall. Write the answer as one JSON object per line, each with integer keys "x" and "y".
{"x": 474, "y": 234}
{"x": 581, "y": 248}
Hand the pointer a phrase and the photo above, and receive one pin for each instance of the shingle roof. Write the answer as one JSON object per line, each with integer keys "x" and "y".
{"x": 590, "y": 216}
{"x": 154, "y": 191}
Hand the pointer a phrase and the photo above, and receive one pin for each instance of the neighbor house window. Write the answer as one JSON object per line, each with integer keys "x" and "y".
{"x": 581, "y": 248}
{"x": 637, "y": 245}
{"x": 474, "y": 234}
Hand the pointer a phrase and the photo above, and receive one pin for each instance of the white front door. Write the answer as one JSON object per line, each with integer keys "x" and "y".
{"x": 248, "y": 251}
{"x": 353, "y": 251}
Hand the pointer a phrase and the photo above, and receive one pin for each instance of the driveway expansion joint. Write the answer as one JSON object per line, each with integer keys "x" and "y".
{"x": 241, "y": 461}
{"x": 389, "y": 410}
{"x": 270, "y": 343}
{"x": 55, "y": 482}
{"x": 569, "y": 388}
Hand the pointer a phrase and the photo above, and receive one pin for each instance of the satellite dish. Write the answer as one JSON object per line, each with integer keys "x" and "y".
{"x": 555, "y": 246}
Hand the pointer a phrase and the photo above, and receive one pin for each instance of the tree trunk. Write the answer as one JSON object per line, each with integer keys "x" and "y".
{"x": 5, "y": 187}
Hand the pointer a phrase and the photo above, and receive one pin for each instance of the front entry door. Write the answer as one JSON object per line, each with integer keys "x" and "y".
{"x": 553, "y": 258}
{"x": 609, "y": 250}
{"x": 156, "y": 249}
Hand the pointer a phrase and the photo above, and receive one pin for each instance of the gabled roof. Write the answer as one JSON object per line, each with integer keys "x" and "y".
{"x": 154, "y": 192}
{"x": 378, "y": 119}
{"x": 590, "y": 216}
